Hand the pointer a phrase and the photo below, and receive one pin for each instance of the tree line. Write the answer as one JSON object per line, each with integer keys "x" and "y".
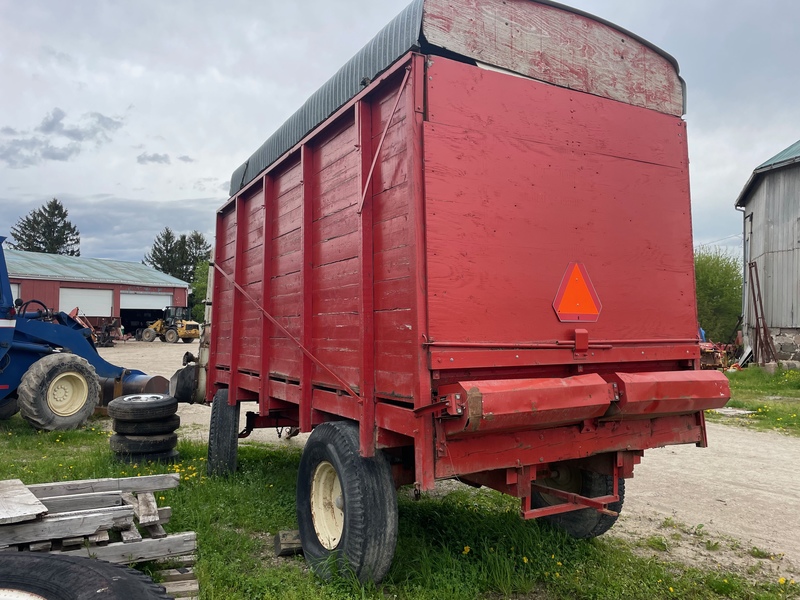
{"x": 48, "y": 229}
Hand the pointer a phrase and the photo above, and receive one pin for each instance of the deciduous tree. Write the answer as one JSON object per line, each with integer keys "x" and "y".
{"x": 718, "y": 276}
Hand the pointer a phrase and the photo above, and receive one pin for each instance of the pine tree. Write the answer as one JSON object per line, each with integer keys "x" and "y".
{"x": 178, "y": 255}
{"x": 47, "y": 229}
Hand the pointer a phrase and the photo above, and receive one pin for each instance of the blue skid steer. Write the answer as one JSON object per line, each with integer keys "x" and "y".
{"x": 50, "y": 370}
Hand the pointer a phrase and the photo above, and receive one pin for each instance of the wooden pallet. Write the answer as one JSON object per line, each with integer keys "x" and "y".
{"x": 179, "y": 580}
{"x": 116, "y": 520}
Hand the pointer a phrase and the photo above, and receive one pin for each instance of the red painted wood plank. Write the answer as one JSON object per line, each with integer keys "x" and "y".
{"x": 307, "y": 273}
{"x": 266, "y": 294}
{"x": 492, "y": 248}
{"x": 394, "y": 294}
{"x": 471, "y": 98}
{"x": 424, "y": 440}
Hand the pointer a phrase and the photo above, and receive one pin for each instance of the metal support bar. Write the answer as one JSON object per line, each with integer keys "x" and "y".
{"x": 288, "y": 335}
{"x": 383, "y": 137}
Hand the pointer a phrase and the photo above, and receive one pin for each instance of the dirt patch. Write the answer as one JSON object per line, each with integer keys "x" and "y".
{"x": 734, "y": 505}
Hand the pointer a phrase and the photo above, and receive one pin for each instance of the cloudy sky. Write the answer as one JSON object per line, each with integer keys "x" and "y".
{"x": 134, "y": 114}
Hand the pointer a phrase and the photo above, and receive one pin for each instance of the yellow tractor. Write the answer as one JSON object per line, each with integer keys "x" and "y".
{"x": 176, "y": 325}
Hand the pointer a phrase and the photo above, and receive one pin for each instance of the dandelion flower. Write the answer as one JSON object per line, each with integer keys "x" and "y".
{"x": 782, "y": 580}
{"x": 466, "y": 550}
{"x": 525, "y": 559}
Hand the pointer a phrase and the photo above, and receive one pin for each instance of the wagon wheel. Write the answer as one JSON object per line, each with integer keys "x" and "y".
{"x": 36, "y": 575}
{"x": 59, "y": 391}
{"x": 346, "y": 505}
{"x": 584, "y": 523}
{"x": 223, "y": 435}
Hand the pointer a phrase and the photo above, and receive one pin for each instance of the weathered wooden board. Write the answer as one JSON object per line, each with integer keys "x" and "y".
{"x": 57, "y": 527}
{"x": 71, "y": 502}
{"x": 182, "y": 589}
{"x": 557, "y": 46}
{"x": 17, "y": 503}
{"x": 148, "y": 483}
{"x": 288, "y": 543}
{"x": 147, "y": 549}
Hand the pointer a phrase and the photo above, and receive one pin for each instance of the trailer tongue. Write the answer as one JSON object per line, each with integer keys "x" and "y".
{"x": 468, "y": 255}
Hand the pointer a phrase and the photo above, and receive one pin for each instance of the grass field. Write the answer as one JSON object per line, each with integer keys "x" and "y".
{"x": 774, "y": 399}
{"x": 465, "y": 545}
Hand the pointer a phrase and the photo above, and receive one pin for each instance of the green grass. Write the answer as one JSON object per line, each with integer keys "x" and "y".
{"x": 774, "y": 399}
{"x": 467, "y": 545}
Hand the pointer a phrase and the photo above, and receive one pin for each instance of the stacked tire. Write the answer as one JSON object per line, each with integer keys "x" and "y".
{"x": 144, "y": 428}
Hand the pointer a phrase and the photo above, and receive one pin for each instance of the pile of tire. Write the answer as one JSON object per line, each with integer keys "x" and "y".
{"x": 144, "y": 428}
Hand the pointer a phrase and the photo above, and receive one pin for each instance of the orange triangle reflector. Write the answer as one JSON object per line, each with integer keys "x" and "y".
{"x": 576, "y": 300}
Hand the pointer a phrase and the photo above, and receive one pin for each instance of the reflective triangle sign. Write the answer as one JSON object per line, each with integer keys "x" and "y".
{"x": 576, "y": 300}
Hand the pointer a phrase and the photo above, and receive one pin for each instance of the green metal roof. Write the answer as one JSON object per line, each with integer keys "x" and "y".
{"x": 784, "y": 158}
{"x": 790, "y": 153}
{"x": 38, "y": 265}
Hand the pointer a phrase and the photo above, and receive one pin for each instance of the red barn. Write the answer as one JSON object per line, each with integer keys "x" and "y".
{"x": 101, "y": 289}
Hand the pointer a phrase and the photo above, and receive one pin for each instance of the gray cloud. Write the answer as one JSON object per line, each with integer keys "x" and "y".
{"x": 187, "y": 159}
{"x": 52, "y": 55}
{"x": 96, "y": 128}
{"x": 40, "y": 145}
{"x": 145, "y": 158}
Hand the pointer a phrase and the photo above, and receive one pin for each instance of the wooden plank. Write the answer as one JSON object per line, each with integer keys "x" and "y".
{"x": 56, "y": 527}
{"x": 178, "y": 574}
{"x": 100, "y": 538}
{"x": 148, "y": 549}
{"x": 41, "y": 546}
{"x": 72, "y": 502}
{"x": 156, "y": 531}
{"x": 131, "y": 535}
{"x": 287, "y": 543}
{"x": 182, "y": 589}
{"x": 17, "y": 503}
{"x": 557, "y": 46}
{"x": 186, "y": 560}
{"x": 148, "y": 511}
{"x": 147, "y": 483}
{"x": 73, "y": 541}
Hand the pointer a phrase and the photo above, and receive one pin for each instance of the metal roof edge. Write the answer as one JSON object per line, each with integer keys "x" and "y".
{"x": 760, "y": 171}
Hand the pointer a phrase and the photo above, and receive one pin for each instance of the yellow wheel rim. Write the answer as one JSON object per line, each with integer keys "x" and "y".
{"x": 327, "y": 505}
{"x": 67, "y": 394}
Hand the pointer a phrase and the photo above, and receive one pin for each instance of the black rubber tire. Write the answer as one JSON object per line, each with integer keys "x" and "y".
{"x": 171, "y": 336}
{"x": 74, "y": 578}
{"x": 148, "y": 335}
{"x": 166, "y": 425}
{"x": 586, "y": 523}
{"x": 142, "y": 407}
{"x": 162, "y": 339}
{"x": 8, "y": 408}
{"x": 170, "y": 456}
{"x": 143, "y": 444}
{"x": 223, "y": 436}
{"x": 188, "y": 340}
{"x": 35, "y": 387}
{"x": 369, "y": 535}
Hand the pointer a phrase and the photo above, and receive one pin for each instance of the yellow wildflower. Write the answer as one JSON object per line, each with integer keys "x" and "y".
{"x": 525, "y": 559}
{"x": 466, "y": 550}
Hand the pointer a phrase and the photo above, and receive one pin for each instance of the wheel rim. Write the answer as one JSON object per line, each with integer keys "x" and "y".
{"x": 9, "y": 594}
{"x": 566, "y": 479}
{"x": 327, "y": 504}
{"x": 67, "y": 394}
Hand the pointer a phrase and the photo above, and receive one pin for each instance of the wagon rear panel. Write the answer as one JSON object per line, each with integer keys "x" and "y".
{"x": 522, "y": 179}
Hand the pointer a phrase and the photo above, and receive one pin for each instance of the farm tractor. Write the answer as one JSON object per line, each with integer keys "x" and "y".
{"x": 176, "y": 325}
{"x": 50, "y": 370}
